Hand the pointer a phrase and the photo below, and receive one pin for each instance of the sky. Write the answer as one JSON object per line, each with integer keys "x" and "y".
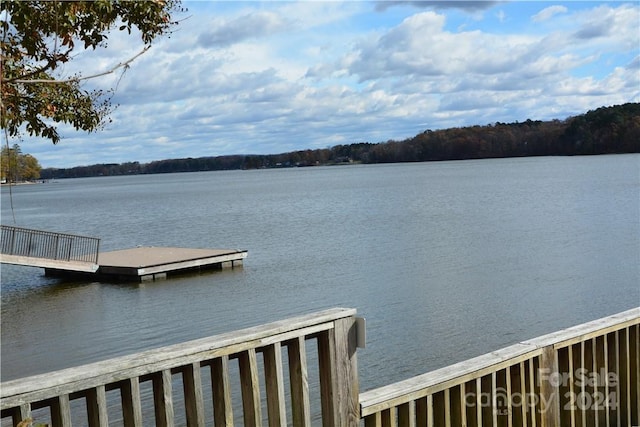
{"x": 272, "y": 77}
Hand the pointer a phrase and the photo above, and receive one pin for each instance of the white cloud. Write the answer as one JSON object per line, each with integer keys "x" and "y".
{"x": 547, "y": 13}
{"x": 608, "y": 27}
{"x": 253, "y": 25}
{"x": 470, "y": 6}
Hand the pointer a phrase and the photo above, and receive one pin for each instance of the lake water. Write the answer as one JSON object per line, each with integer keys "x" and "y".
{"x": 446, "y": 260}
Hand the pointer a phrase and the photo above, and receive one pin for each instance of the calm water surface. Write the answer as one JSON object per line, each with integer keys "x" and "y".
{"x": 446, "y": 260}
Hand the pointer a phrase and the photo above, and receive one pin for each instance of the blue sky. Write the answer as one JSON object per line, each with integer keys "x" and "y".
{"x": 270, "y": 77}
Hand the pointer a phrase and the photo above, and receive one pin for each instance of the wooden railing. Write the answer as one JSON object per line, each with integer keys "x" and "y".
{"x": 160, "y": 374}
{"x": 25, "y": 242}
{"x": 582, "y": 376}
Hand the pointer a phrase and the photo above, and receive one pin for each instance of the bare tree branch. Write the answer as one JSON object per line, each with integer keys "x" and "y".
{"x": 77, "y": 79}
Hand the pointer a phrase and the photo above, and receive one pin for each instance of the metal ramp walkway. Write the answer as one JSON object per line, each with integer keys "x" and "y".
{"x": 49, "y": 250}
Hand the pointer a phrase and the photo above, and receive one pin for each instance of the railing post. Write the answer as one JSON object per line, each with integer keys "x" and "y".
{"x": 97, "y": 251}
{"x": 549, "y": 387}
{"x": 346, "y": 372}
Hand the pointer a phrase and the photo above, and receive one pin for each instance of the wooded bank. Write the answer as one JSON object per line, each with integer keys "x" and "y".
{"x": 606, "y": 130}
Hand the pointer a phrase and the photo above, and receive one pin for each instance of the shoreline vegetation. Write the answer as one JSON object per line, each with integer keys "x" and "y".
{"x": 606, "y": 130}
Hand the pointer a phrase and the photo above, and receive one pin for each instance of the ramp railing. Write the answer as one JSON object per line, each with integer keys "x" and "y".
{"x": 31, "y": 243}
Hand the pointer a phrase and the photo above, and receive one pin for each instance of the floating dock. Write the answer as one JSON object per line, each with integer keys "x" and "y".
{"x": 153, "y": 263}
{"x": 62, "y": 254}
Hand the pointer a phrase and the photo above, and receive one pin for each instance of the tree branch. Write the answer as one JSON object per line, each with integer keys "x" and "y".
{"x": 51, "y": 64}
{"x": 77, "y": 79}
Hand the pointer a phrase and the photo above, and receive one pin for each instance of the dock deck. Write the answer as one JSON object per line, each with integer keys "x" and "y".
{"x": 152, "y": 263}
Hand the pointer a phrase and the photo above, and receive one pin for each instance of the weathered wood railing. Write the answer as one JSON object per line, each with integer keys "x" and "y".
{"x": 25, "y": 242}
{"x": 582, "y": 376}
{"x": 333, "y": 335}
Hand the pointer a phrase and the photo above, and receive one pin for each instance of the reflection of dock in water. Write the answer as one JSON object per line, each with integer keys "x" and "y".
{"x": 66, "y": 254}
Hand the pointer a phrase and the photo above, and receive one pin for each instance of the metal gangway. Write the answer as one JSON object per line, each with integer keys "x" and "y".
{"x": 49, "y": 250}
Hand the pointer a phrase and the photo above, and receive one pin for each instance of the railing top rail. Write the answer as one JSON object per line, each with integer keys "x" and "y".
{"x": 36, "y": 231}
{"x": 83, "y": 377}
{"x": 588, "y": 330}
{"x": 440, "y": 379}
{"x": 404, "y": 391}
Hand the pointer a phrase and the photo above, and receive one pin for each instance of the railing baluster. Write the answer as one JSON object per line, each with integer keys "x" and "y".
{"x": 421, "y": 411}
{"x": 373, "y": 420}
{"x": 55, "y": 251}
{"x": 462, "y": 403}
{"x": 61, "y": 411}
{"x": 222, "y": 409}
{"x": 447, "y": 407}
{"x": 582, "y": 408}
{"x": 299, "y": 383}
{"x": 617, "y": 370}
{"x": 326, "y": 365}
{"x": 524, "y": 402}
{"x": 636, "y": 370}
{"x": 250, "y": 388}
{"x": 389, "y": 417}
{"x": 607, "y": 409}
{"x": 97, "y": 407}
{"x": 494, "y": 399}
{"x": 479, "y": 401}
{"x": 613, "y": 367}
{"x": 274, "y": 379}
{"x": 532, "y": 390}
{"x": 572, "y": 388}
{"x": 131, "y": 406}
{"x": 13, "y": 237}
{"x": 626, "y": 377}
{"x": 407, "y": 414}
{"x": 193, "y": 397}
{"x": 21, "y": 413}
{"x": 29, "y": 245}
{"x": 509, "y": 406}
{"x": 163, "y": 399}
{"x": 596, "y": 408}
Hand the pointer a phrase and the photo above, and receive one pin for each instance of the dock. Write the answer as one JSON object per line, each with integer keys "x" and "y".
{"x": 149, "y": 263}
{"x": 72, "y": 255}
{"x": 152, "y": 263}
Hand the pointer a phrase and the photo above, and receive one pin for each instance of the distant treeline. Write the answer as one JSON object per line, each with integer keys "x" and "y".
{"x": 607, "y": 130}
